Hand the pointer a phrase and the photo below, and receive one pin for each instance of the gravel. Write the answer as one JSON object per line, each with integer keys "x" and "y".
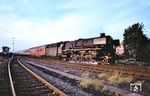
{"x": 5, "y": 89}
{"x": 63, "y": 85}
{"x": 145, "y": 85}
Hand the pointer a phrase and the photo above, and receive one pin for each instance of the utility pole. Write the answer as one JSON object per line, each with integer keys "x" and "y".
{"x": 13, "y": 43}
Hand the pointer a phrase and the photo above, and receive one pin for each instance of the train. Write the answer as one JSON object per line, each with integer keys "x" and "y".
{"x": 100, "y": 49}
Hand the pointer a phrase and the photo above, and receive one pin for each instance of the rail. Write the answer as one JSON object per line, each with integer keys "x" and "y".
{"x": 43, "y": 81}
{"x": 10, "y": 78}
{"x": 51, "y": 87}
{"x": 139, "y": 73}
{"x": 106, "y": 87}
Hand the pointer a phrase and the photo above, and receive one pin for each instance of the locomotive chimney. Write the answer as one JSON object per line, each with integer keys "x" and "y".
{"x": 102, "y": 34}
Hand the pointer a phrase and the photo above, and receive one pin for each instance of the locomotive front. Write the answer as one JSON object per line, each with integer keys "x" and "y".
{"x": 107, "y": 53}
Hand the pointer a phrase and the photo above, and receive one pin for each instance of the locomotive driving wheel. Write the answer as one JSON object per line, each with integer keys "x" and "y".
{"x": 106, "y": 59}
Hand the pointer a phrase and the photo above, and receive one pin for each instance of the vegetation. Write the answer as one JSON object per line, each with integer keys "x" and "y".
{"x": 92, "y": 84}
{"x": 146, "y": 52}
{"x": 112, "y": 79}
{"x": 86, "y": 83}
{"x": 136, "y": 44}
{"x": 103, "y": 76}
{"x": 85, "y": 74}
{"x": 118, "y": 78}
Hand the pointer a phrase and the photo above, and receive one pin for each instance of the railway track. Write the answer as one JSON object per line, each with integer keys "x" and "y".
{"x": 24, "y": 82}
{"x": 113, "y": 89}
{"x": 5, "y": 89}
{"x": 137, "y": 72}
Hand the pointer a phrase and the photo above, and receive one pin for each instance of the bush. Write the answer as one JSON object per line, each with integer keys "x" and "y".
{"x": 85, "y": 75}
{"x": 86, "y": 83}
{"x": 92, "y": 83}
{"x": 125, "y": 80}
{"x": 113, "y": 79}
{"x": 118, "y": 78}
{"x": 103, "y": 76}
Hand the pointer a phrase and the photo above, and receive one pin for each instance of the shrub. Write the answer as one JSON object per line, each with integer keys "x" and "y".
{"x": 85, "y": 75}
{"x": 97, "y": 84}
{"x": 92, "y": 83}
{"x": 86, "y": 83}
{"x": 125, "y": 80}
{"x": 113, "y": 79}
{"x": 103, "y": 76}
{"x": 118, "y": 78}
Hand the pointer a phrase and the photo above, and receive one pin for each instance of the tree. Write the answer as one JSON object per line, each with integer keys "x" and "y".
{"x": 134, "y": 41}
{"x": 146, "y": 52}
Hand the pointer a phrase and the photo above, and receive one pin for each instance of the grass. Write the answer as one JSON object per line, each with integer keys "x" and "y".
{"x": 139, "y": 81}
{"x": 85, "y": 75}
{"x": 118, "y": 78}
{"x": 97, "y": 84}
{"x": 92, "y": 84}
{"x": 86, "y": 83}
{"x": 112, "y": 79}
{"x": 103, "y": 76}
{"x": 125, "y": 80}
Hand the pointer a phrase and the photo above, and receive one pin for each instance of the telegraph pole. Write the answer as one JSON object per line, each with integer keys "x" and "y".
{"x": 13, "y": 43}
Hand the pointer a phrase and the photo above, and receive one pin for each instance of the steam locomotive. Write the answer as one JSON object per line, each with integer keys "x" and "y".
{"x": 98, "y": 49}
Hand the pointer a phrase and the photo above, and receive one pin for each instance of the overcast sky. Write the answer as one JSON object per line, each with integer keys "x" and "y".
{"x": 38, "y": 22}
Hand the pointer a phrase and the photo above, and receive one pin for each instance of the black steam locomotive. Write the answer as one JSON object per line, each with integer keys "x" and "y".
{"x": 100, "y": 49}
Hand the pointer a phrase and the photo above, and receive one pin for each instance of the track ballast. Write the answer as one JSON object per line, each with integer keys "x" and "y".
{"x": 26, "y": 83}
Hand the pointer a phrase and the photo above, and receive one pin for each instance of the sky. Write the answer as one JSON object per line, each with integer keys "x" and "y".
{"x": 38, "y": 22}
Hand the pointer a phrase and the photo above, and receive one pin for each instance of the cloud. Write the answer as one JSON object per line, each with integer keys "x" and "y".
{"x": 73, "y": 4}
{"x": 68, "y": 27}
{"x": 6, "y": 8}
{"x": 45, "y": 31}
